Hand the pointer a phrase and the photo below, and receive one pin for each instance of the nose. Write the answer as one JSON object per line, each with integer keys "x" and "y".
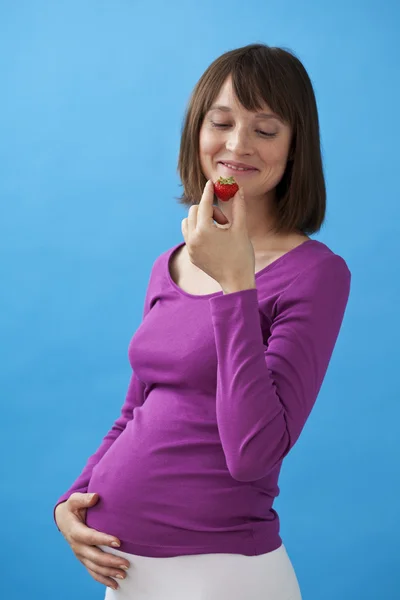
{"x": 238, "y": 141}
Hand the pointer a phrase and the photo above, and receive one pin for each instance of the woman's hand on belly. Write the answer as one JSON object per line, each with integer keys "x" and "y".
{"x": 70, "y": 518}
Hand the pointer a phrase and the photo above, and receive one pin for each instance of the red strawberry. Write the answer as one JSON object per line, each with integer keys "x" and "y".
{"x": 225, "y": 189}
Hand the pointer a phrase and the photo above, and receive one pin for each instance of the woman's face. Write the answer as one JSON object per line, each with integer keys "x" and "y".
{"x": 231, "y": 134}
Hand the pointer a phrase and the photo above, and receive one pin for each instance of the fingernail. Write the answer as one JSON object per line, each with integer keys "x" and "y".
{"x": 115, "y": 544}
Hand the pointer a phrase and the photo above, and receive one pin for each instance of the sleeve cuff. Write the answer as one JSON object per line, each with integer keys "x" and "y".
{"x": 244, "y": 300}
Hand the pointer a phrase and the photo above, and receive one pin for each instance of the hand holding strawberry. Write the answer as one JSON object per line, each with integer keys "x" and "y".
{"x": 225, "y": 254}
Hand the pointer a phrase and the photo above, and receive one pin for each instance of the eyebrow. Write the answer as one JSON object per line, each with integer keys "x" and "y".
{"x": 257, "y": 116}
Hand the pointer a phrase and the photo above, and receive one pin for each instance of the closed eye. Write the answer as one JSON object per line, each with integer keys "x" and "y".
{"x": 224, "y": 125}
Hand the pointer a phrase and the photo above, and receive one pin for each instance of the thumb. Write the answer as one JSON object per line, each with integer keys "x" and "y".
{"x": 80, "y": 500}
{"x": 239, "y": 209}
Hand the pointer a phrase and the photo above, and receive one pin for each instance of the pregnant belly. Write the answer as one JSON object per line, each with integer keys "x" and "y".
{"x": 150, "y": 491}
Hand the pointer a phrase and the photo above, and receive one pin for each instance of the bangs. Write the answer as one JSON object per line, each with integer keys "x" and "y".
{"x": 257, "y": 83}
{"x": 258, "y": 79}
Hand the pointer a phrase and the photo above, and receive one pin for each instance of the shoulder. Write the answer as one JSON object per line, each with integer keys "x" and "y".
{"x": 312, "y": 306}
{"x": 315, "y": 261}
{"x": 159, "y": 263}
{"x": 165, "y": 255}
{"x": 324, "y": 263}
{"x": 322, "y": 277}
{"x": 319, "y": 254}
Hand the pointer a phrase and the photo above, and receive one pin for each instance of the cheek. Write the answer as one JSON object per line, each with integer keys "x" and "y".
{"x": 276, "y": 155}
{"x": 208, "y": 143}
{"x": 204, "y": 151}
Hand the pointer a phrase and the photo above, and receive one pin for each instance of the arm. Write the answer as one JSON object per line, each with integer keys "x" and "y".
{"x": 265, "y": 393}
{"x": 134, "y": 398}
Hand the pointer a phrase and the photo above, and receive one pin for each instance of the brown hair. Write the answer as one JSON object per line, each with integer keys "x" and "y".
{"x": 274, "y": 76}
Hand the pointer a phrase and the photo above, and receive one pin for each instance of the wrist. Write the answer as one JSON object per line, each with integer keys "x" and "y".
{"x": 238, "y": 286}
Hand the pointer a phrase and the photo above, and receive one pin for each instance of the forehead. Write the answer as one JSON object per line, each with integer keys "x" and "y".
{"x": 227, "y": 97}
{"x": 226, "y": 91}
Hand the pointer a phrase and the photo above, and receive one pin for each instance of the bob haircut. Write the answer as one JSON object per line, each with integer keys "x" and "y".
{"x": 274, "y": 76}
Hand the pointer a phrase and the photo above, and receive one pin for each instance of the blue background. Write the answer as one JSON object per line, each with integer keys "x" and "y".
{"x": 92, "y": 102}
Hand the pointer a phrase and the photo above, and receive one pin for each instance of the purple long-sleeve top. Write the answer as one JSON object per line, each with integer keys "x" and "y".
{"x": 221, "y": 388}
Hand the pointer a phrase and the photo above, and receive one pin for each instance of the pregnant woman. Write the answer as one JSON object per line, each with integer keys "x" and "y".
{"x": 239, "y": 324}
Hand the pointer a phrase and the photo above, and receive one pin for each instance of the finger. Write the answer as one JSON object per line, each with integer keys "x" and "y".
{"x": 184, "y": 227}
{"x": 192, "y": 219}
{"x": 83, "y": 534}
{"x": 79, "y": 500}
{"x": 104, "y": 580}
{"x": 206, "y": 208}
{"x": 104, "y": 571}
{"x": 101, "y": 558}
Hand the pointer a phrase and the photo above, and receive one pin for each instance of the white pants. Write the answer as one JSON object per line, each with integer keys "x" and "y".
{"x": 207, "y": 577}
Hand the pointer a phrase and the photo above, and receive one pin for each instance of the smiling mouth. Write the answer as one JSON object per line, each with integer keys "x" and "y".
{"x": 238, "y": 169}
